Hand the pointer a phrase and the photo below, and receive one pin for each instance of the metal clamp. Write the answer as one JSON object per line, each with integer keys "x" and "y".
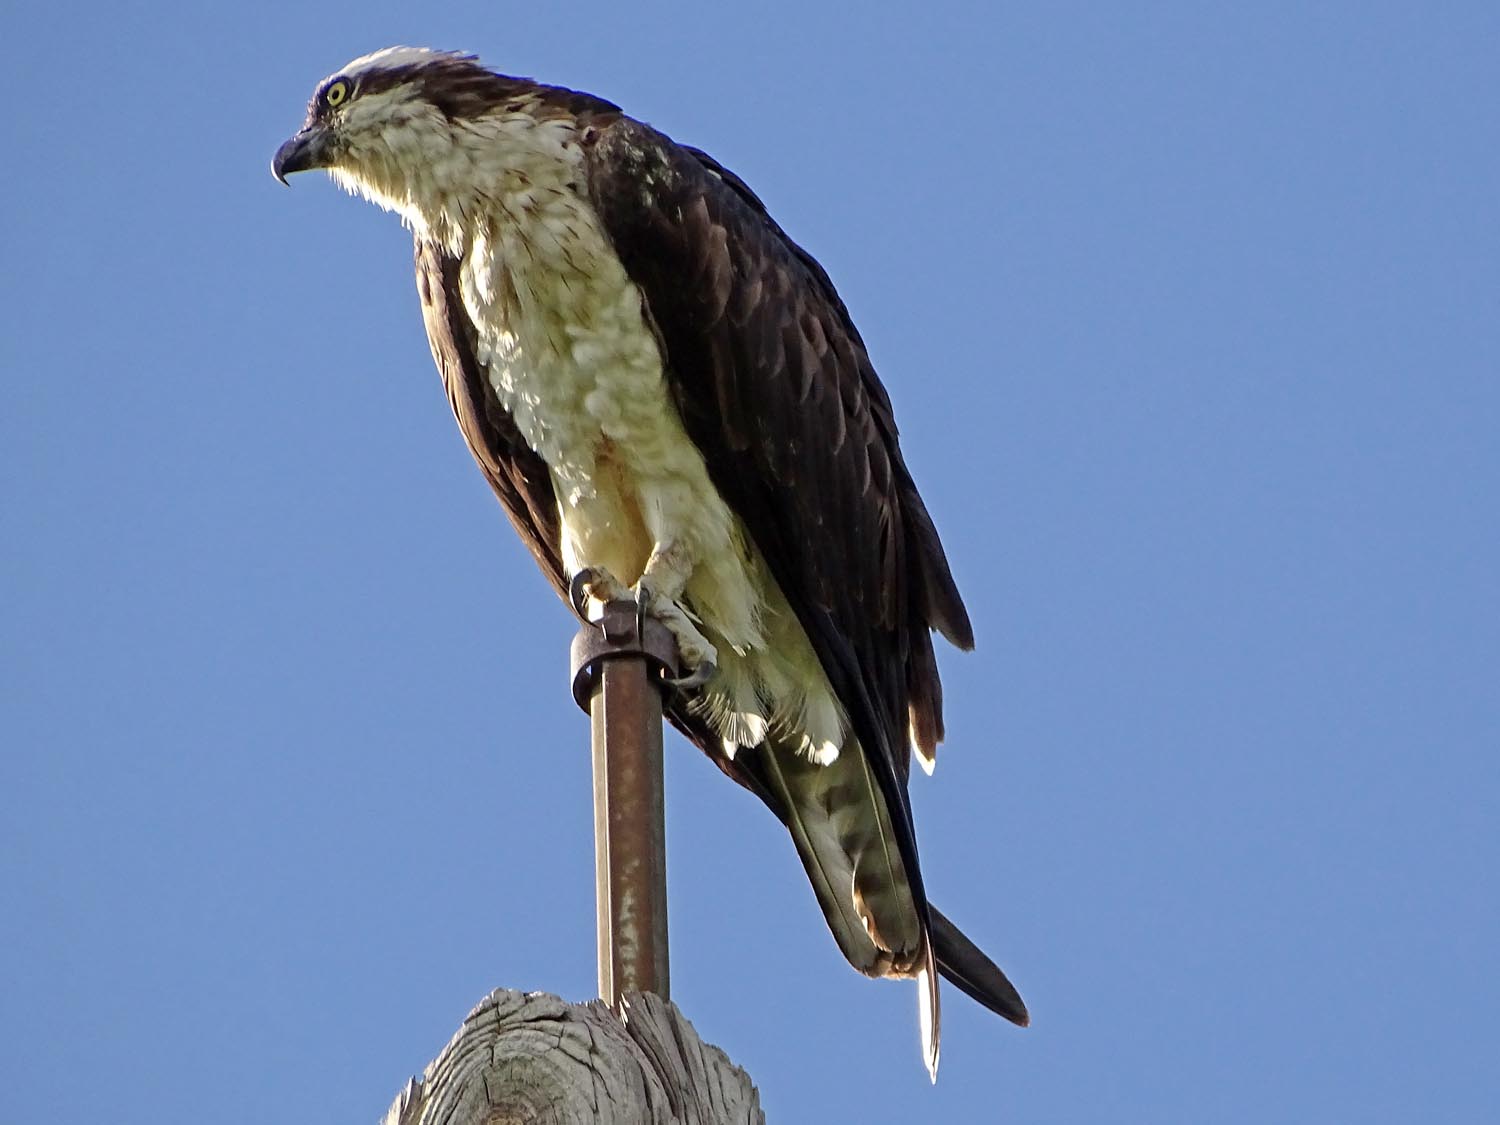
{"x": 621, "y": 631}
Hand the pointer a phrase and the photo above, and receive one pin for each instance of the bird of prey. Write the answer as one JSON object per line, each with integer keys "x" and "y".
{"x": 671, "y": 402}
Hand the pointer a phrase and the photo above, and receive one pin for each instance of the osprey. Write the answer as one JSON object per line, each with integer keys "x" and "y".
{"x": 671, "y": 403}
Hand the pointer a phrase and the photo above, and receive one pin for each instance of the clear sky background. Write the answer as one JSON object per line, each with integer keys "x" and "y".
{"x": 1189, "y": 312}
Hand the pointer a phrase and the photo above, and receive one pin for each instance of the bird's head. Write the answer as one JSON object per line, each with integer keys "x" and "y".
{"x": 408, "y": 127}
{"x": 371, "y": 110}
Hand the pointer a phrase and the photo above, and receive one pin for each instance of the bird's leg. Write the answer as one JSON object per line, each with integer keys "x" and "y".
{"x": 658, "y": 593}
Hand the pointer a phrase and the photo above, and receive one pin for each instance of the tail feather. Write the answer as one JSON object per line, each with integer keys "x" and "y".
{"x": 966, "y": 965}
{"x": 845, "y": 839}
{"x": 930, "y": 1012}
{"x": 844, "y": 836}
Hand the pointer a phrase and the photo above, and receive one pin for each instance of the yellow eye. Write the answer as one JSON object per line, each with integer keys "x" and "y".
{"x": 336, "y": 94}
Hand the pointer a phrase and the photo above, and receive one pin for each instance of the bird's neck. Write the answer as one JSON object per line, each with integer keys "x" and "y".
{"x": 453, "y": 182}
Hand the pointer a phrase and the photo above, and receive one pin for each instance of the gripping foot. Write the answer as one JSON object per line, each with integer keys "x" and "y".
{"x": 699, "y": 676}
{"x": 594, "y": 582}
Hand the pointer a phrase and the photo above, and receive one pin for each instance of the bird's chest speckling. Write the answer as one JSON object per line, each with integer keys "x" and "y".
{"x": 565, "y": 341}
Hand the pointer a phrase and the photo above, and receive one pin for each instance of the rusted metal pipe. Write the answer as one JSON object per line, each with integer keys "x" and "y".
{"x": 619, "y": 663}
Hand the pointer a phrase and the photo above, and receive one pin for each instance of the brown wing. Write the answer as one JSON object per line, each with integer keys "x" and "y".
{"x": 514, "y": 470}
{"x": 776, "y": 390}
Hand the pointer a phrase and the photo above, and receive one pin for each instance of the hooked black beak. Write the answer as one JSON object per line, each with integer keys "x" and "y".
{"x": 309, "y": 149}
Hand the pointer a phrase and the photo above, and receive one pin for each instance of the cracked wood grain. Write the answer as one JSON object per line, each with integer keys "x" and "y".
{"x": 532, "y": 1059}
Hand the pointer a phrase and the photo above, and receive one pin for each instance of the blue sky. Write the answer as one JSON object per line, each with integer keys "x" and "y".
{"x": 1189, "y": 312}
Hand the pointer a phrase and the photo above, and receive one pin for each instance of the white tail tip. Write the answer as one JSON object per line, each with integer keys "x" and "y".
{"x": 929, "y": 1013}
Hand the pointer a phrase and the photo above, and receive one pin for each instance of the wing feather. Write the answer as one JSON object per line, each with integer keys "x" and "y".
{"x": 775, "y": 387}
{"x": 515, "y": 472}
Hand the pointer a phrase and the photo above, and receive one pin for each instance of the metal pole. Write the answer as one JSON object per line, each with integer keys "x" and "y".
{"x": 617, "y": 678}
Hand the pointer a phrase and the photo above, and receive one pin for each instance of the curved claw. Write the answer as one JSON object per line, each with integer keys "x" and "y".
{"x": 694, "y": 679}
{"x": 642, "y": 607}
{"x": 578, "y": 593}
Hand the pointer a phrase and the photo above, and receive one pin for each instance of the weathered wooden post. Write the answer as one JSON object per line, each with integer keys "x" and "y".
{"x": 530, "y": 1057}
{"x": 629, "y": 1058}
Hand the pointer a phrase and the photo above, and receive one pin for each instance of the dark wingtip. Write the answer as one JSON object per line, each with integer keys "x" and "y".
{"x": 942, "y": 603}
{"x": 953, "y": 623}
{"x": 965, "y": 965}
